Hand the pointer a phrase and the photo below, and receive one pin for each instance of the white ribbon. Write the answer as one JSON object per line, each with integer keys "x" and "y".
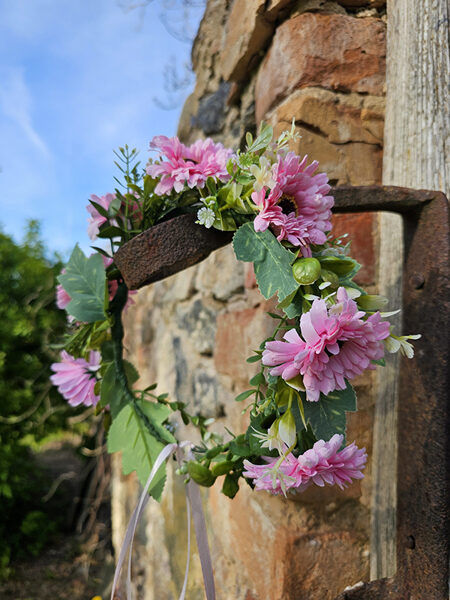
{"x": 194, "y": 503}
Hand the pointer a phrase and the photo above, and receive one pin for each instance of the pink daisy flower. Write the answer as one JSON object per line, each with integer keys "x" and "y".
{"x": 323, "y": 464}
{"x": 187, "y": 165}
{"x": 337, "y": 345}
{"x": 75, "y": 378}
{"x": 96, "y": 219}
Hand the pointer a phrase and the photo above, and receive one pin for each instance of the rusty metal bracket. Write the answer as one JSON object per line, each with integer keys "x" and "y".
{"x": 423, "y": 507}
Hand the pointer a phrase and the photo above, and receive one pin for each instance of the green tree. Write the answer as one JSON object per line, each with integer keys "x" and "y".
{"x": 29, "y": 408}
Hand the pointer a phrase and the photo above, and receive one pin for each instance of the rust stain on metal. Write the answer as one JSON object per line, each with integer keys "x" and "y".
{"x": 423, "y": 487}
{"x": 167, "y": 248}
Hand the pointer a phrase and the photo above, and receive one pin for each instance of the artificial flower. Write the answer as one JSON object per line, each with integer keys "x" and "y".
{"x": 337, "y": 345}
{"x": 262, "y": 174}
{"x": 269, "y": 211}
{"x": 395, "y": 343}
{"x": 62, "y": 297}
{"x": 96, "y": 219}
{"x": 324, "y": 463}
{"x": 75, "y": 378}
{"x": 187, "y": 165}
{"x": 206, "y": 217}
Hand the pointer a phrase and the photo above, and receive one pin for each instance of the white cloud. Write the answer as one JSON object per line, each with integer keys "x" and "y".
{"x": 16, "y": 104}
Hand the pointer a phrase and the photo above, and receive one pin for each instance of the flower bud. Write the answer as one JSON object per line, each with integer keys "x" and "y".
{"x": 200, "y": 474}
{"x": 306, "y": 270}
{"x": 372, "y": 303}
{"x": 287, "y": 431}
{"x": 230, "y": 487}
{"x": 222, "y": 468}
{"x": 342, "y": 266}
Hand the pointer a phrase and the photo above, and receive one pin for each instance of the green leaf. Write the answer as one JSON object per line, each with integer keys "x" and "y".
{"x": 100, "y": 209}
{"x": 263, "y": 140}
{"x": 130, "y": 435}
{"x": 76, "y": 343}
{"x": 295, "y": 308}
{"x": 381, "y": 362}
{"x": 257, "y": 379}
{"x": 85, "y": 282}
{"x": 254, "y": 358}
{"x": 111, "y": 390}
{"x": 272, "y": 262}
{"x": 327, "y": 416}
{"x": 244, "y": 395}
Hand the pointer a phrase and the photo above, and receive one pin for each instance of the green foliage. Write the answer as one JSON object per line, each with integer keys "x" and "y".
{"x": 85, "y": 282}
{"x": 272, "y": 262}
{"x": 111, "y": 392}
{"x": 327, "y": 416}
{"x": 130, "y": 433}
{"x": 30, "y": 408}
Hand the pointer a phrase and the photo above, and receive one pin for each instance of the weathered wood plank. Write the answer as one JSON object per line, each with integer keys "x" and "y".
{"x": 416, "y": 155}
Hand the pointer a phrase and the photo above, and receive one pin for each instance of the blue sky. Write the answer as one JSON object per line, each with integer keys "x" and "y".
{"x": 77, "y": 79}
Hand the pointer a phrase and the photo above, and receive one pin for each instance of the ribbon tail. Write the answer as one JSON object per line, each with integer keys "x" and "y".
{"x": 188, "y": 557}
{"x": 131, "y": 529}
{"x": 193, "y": 493}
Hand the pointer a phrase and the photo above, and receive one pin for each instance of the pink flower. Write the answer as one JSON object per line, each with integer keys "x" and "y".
{"x": 270, "y": 212}
{"x": 337, "y": 344}
{"x": 308, "y": 195}
{"x": 75, "y": 378}
{"x": 62, "y": 297}
{"x": 96, "y": 219}
{"x": 323, "y": 464}
{"x": 187, "y": 165}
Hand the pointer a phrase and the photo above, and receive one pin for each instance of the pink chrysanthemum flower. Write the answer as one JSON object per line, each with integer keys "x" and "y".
{"x": 308, "y": 192}
{"x": 323, "y": 464}
{"x": 337, "y": 344}
{"x": 96, "y": 219}
{"x": 75, "y": 378}
{"x": 296, "y": 184}
{"x": 187, "y": 165}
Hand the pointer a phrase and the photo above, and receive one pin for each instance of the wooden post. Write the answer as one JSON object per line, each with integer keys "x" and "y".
{"x": 416, "y": 155}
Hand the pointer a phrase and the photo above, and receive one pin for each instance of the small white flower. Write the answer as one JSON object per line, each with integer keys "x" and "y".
{"x": 206, "y": 217}
{"x": 395, "y": 343}
{"x": 262, "y": 174}
{"x": 270, "y": 439}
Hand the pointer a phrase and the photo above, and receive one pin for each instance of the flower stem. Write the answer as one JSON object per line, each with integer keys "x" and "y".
{"x": 116, "y": 308}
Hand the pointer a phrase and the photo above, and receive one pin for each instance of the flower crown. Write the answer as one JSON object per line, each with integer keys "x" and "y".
{"x": 327, "y": 328}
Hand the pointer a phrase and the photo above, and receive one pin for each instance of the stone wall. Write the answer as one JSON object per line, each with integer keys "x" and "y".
{"x": 322, "y": 62}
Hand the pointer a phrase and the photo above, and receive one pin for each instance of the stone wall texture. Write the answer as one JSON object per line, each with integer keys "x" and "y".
{"x": 322, "y": 63}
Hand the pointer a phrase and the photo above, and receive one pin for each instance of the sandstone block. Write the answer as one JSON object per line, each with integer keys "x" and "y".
{"x": 238, "y": 333}
{"x": 341, "y": 118}
{"x": 332, "y": 51}
{"x": 354, "y": 163}
{"x": 361, "y": 230}
{"x": 247, "y": 33}
{"x": 220, "y": 275}
{"x": 198, "y": 320}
